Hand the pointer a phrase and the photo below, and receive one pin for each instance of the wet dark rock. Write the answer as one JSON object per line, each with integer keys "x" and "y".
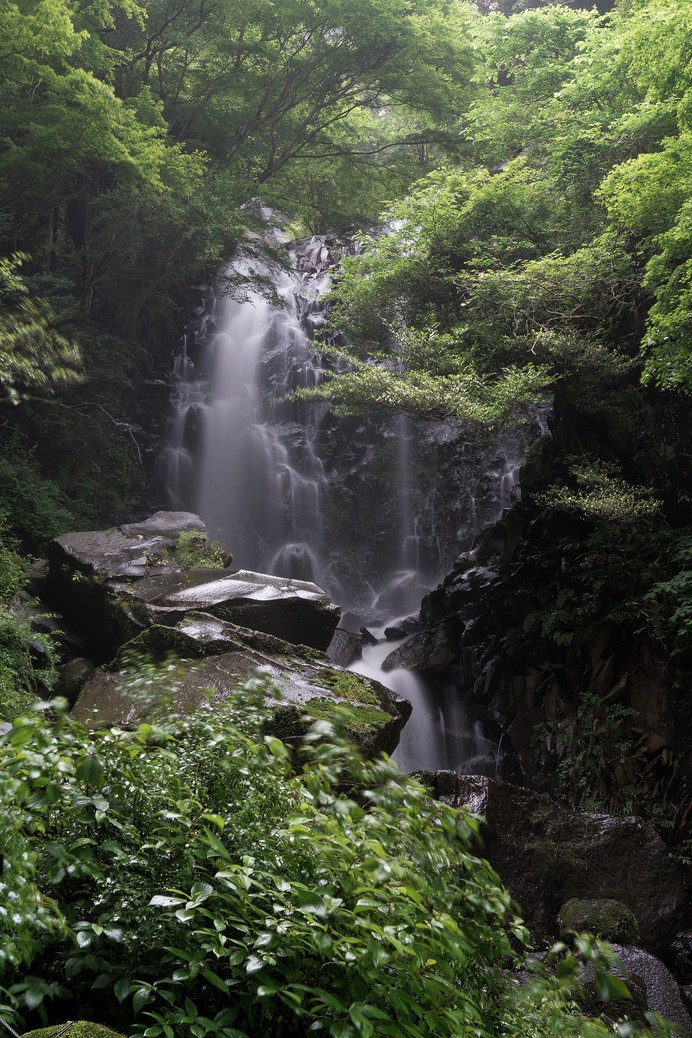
{"x": 126, "y": 551}
{"x": 351, "y": 622}
{"x": 294, "y": 610}
{"x": 367, "y": 636}
{"x": 605, "y": 917}
{"x": 72, "y": 678}
{"x": 35, "y": 577}
{"x": 546, "y": 855}
{"x": 112, "y": 583}
{"x": 426, "y": 649}
{"x": 394, "y": 634}
{"x": 219, "y": 656}
{"x": 537, "y": 680}
{"x": 345, "y": 647}
{"x": 681, "y": 957}
{"x": 83, "y": 565}
{"x": 662, "y": 992}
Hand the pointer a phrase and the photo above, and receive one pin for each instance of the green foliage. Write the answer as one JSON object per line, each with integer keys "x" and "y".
{"x": 193, "y": 548}
{"x": 601, "y": 744}
{"x": 206, "y": 889}
{"x": 601, "y": 493}
{"x": 20, "y": 676}
{"x": 577, "y": 241}
{"x": 483, "y": 403}
{"x": 675, "y": 594}
{"x": 32, "y": 354}
{"x": 11, "y": 565}
{"x": 32, "y": 504}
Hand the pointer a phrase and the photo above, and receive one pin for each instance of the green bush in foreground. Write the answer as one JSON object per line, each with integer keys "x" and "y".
{"x": 182, "y": 880}
{"x": 19, "y": 671}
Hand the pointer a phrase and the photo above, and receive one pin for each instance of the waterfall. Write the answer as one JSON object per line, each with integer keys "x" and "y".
{"x": 235, "y": 455}
{"x": 375, "y": 510}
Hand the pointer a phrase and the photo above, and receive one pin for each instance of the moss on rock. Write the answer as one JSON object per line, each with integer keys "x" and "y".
{"x": 605, "y": 917}
{"x": 79, "y": 1029}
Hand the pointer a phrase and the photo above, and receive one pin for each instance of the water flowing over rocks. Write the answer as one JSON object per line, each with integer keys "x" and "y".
{"x": 132, "y": 595}
{"x": 545, "y": 855}
{"x": 373, "y": 509}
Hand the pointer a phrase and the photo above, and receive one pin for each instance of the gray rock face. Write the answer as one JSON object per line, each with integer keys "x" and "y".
{"x": 217, "y": 656}
{"x": 294, "y": 610}
{"x": 111, "y": 584}
{"x": 662, "y": 991}
{"x": 124, "y": 551}
{"x": 72, "y": 678}
{"x": 345, "y": 647}
{"x": 423, "y": 650}
{"x": 546, "y": 855}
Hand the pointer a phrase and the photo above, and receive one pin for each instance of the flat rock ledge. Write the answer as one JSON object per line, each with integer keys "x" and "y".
{"x": 112, "y": 584}
{"x": 217, "y": 656}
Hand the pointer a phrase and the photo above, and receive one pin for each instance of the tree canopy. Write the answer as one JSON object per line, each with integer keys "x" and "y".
{"x": 561, "y": 230}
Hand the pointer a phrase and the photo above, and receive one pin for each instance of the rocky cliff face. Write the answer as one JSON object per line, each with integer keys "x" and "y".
{"x": 374, "y": 509}
{"x": 548, "y": 625}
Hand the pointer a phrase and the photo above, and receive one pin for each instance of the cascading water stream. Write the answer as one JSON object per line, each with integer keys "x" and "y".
{"x": 294, "y": 492}
{"x": 255, "y": 480}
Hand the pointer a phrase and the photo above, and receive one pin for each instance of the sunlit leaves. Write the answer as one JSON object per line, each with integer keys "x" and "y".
{"x": 598, "y": 491}
{"x": 481, "y": 402}
{"x": 32, "y": 353}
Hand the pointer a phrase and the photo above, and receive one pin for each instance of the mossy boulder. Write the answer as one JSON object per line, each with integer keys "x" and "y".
{"x": 546, "y": 855}
{"x": 78, "y": 1029}
{"x": 605, "y": 917}
{"x": 215, "y": 657}
{"x": 111, "y": 584}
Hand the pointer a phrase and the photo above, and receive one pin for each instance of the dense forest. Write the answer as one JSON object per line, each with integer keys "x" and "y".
{"x": 514, "y": 180}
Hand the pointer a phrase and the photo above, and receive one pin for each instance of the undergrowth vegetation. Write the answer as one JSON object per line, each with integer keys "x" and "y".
{"x": 28, "y": 659}
{"x": 186, "y": 879}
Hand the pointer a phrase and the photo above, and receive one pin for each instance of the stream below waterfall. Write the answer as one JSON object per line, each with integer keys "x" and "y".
{"x": 439, "y": 734}
{"x": 374, "y": 510}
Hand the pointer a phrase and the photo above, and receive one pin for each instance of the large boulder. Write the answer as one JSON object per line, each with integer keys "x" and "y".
{"x": 546, "y": 854}
{"x": 111, "y": 584}
{"x": 123, "y": 551}
{"x": 296, "y": 611}
{"x": 215, "y": 657}
{"x": 660, "y": 988}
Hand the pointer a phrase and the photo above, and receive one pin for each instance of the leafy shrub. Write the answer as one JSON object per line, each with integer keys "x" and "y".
{"x": 209, "y": 890}
{"x": 600, "y": 493}
{"x": 18, "y": 643}
{"x": 292, "y": 897}
{"x": 34, "y": 506}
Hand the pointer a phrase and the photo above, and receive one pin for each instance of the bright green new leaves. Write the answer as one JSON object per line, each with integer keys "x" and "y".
{"x": 600, "y": 492}
{"x": 557, "y": 253}
{"x": 482, "y": 403}
{"x": 32, "y": 353}
{"x": 32, "y": 33}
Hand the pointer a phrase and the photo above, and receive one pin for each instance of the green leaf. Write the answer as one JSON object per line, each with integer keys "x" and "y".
{"x": 609, "y": 986}
{"x": 91, "y": 771}
{"x": 140, "y": 999}
{"x": 122, "y": 989}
